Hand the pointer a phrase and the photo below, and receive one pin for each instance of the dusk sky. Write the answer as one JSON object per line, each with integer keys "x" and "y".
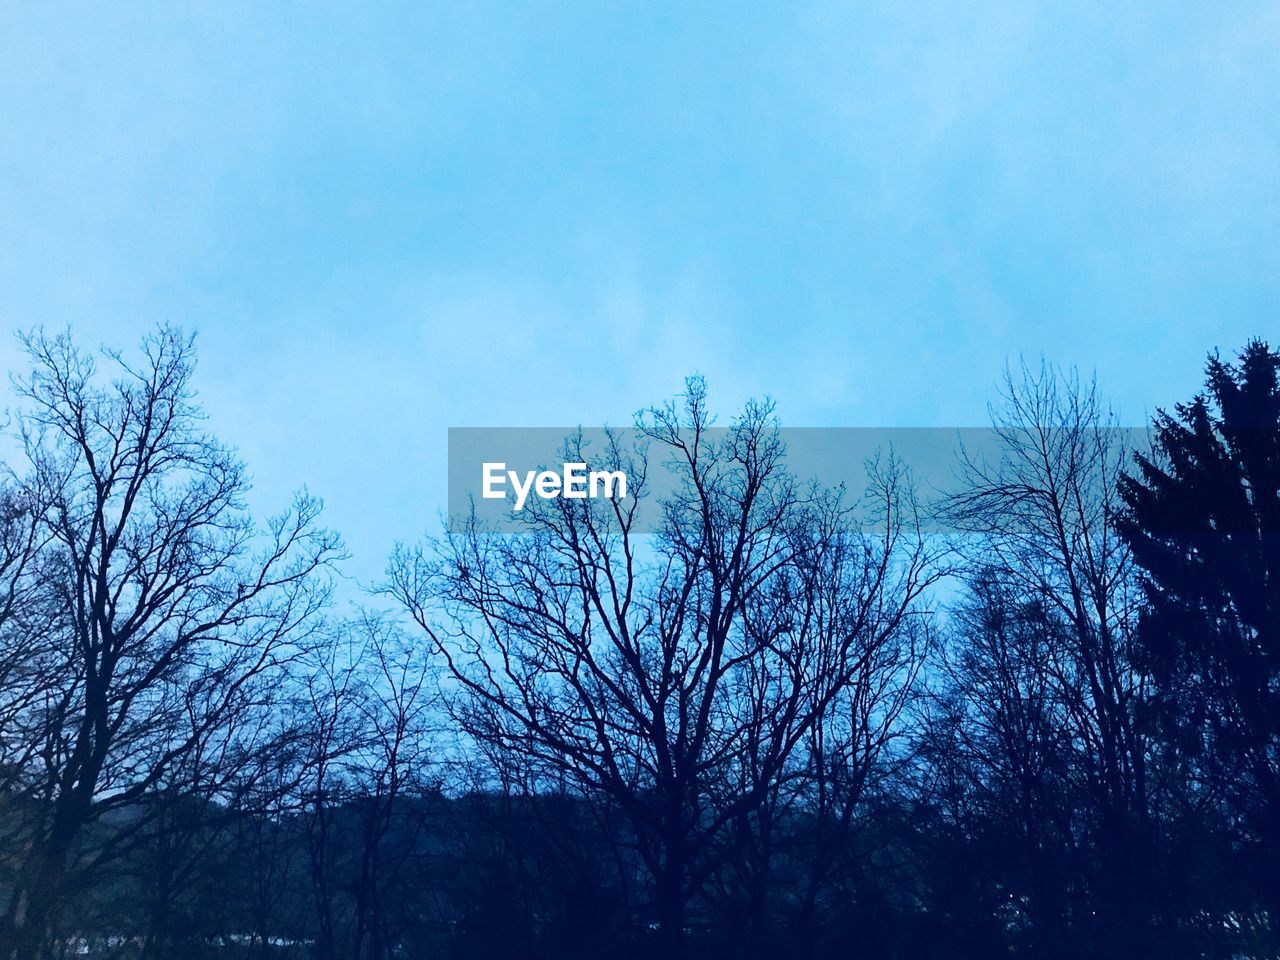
{"x": 386, "y": 221}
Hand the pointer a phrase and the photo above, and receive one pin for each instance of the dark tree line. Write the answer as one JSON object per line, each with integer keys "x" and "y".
{"x": 771, "y": 728}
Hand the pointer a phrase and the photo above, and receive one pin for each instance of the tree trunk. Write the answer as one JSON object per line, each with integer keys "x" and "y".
{"x": 671, "y": 908}
{"x": 29, "y": 926}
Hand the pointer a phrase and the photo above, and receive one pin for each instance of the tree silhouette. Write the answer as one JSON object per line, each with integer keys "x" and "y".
{"x": 1203, "y": 519}
{"x": 169, "y": 617}
{"x": 674, "y": 681}
{"x": 757, "y": 730}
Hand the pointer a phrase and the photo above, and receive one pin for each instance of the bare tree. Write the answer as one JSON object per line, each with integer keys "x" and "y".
{"x": 332, "y": 736}
{"x": 1041, "y": 523}
{"x": 172, "y": 612}
{"x": 653, "y": 674}
{"x": 397, "y": 774}
{"x": 848, "y": 617}
{"x": 367, "y": 730}
{"x": 1011, "y": 735}
{"x": 30, "y": 656}
{"x": 267, "y": 840}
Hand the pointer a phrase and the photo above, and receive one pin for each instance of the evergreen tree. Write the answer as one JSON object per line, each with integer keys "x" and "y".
{"x": 1203, "y": 520}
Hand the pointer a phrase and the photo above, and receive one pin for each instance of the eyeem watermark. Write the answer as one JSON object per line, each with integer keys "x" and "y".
{"x": 499, "y": 475}
{"x": 573, "y": 482}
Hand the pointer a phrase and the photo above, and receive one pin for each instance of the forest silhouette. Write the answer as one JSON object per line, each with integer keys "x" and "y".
{"x": 767, "y": 729}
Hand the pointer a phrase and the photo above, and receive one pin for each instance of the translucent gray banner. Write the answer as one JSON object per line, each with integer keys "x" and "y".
{"x": 502, "y": 476}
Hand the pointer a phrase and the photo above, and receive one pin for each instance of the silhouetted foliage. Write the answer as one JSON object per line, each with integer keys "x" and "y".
{"x": 1204, "y": 521}
{"x": 762, "y": 731}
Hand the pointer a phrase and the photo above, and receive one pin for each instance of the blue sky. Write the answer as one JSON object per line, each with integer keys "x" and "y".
{"x": 385, "y": 220}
